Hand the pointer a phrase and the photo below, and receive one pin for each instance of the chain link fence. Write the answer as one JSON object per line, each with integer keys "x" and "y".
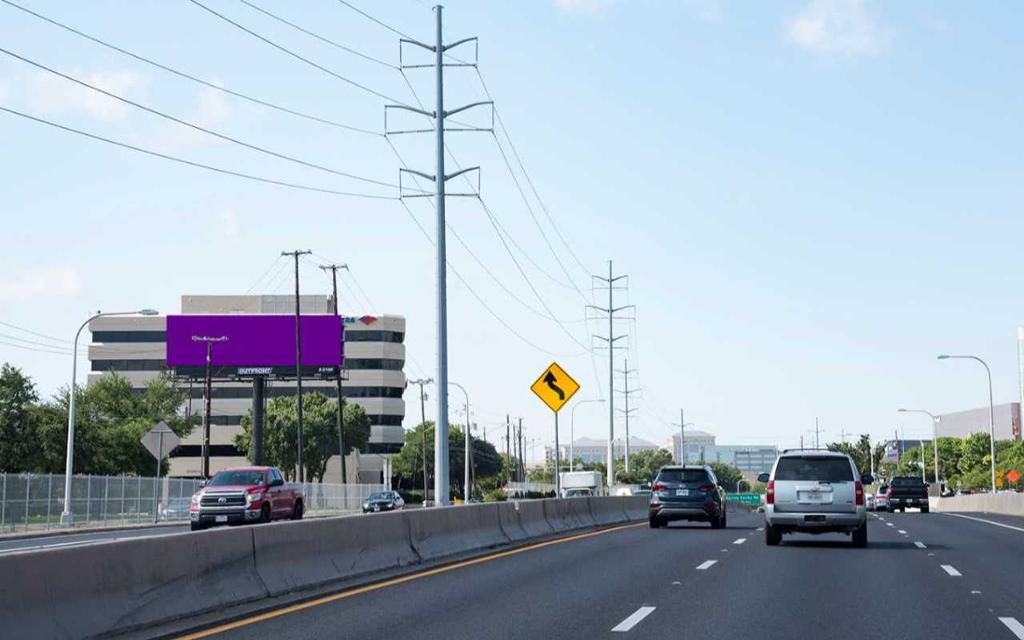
{"x": 35, "y": 502}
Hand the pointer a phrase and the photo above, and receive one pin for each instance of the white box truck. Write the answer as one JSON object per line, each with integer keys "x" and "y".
{"x": 581, "y": 483}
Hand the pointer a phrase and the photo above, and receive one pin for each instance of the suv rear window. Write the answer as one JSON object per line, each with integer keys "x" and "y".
{"x": 679, "y": 476}
{"x": 820, "y": 469}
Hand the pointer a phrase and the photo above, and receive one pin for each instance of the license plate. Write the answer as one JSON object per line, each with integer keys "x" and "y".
{"x": 682, "y": 492}
{"x": 813, "y": 497}
{"x": 376, "y": 508}
{"x": 221, "y": 519}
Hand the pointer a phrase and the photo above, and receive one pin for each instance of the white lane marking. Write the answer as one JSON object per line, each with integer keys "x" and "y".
{"x": 951, "y": 570}
{"x": 760, "y": 528}
{"x": 903, "y": 532}
{"x": 888, "y": 524}
{"x": 633, "y": 619}
{"x": 704, "y": 566}
{"x": 739, "y": 540}
{"x": 975, "y": 592}
{"x": 920, "y": 545}
{"x": 676, "y": 582}
{"x": 930, "y": 554}
{"x": 1015, "y": 627}
{"x": 992, "y": 522}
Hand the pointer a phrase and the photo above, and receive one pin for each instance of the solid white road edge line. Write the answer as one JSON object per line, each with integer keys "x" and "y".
{"x": 633, "y": 619}
{"x": 951, "y": 570}
{"x": 704, "y": 566}
{"x": 992, "y": 522}
{"x": 1014, "y": 626}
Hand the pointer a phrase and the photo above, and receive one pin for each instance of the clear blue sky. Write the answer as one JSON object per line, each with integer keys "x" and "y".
{"x": 811, "y": 199}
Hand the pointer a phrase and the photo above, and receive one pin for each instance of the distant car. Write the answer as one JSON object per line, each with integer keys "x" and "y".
{"x": 175, "y": 509}
{"x": 246, "y": 494}
{"x": 577, "y": 493}
{"x": 815, "y": 492}
{"x": 642, "y": 492}
{"x": 689, "y": 492}
{"x": 383, "y": 501}
{"x": 881, "y": 501}
{"x": 869, "y": 502}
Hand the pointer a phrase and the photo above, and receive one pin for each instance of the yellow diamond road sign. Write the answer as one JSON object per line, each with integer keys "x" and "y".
{"x": 555, "y": 387}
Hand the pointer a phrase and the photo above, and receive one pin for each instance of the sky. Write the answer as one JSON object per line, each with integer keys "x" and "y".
{"x": 811, "y": 198}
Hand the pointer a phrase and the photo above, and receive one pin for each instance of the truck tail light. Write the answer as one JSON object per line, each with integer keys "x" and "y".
{"x": 888, "y": 493}
{"x": 770, "y": 493}
{"x": 859, "y": 488}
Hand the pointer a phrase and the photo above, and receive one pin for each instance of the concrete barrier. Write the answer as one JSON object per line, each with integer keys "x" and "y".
{"x": 636, "y": 507}
{"x": 524, "y": 519}
{"x": 436, "y": 533}
{"x": 1008, "y": 503}
{"x": 611, "y": 510}
{"x": 79, "y": 592}
{"x": 569, "y": 513}
{"x": 300, "y": 555}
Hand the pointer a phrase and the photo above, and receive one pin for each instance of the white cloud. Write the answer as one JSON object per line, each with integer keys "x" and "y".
{"x": 51, "y": 94}
{"x": 837, "y": 27}
{"x": 40, "y": 283}
{"x": 230, "y": 224}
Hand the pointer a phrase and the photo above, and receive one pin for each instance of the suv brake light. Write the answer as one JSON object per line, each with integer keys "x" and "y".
{"x": 658, "y": 486}
{"x": 888, "y": 493}
{"x": 770, "y": 493}
{"x": 859, "y": 488}
{"x": 707, "y": 487}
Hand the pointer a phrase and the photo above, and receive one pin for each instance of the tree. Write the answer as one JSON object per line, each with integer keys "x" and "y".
{"x": 319, "y": 433}
{"x": 18, "y": 420}
{"x": 728, "y": 475}
{"x": 408, "y": 465}
{"x": 644, "y": 466}
{"x": 861, "y": 452}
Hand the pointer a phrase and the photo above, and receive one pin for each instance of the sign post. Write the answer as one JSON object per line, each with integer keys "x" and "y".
{"x": 155, "y": 441}
{"x": 555, "y": 388}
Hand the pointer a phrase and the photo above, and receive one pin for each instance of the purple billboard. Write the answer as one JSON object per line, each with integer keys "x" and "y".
{"x": 253, "y": 341}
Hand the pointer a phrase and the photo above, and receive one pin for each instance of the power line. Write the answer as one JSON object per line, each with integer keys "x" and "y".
{"x": 273, "y": 264}
{"x": 197, "y": 127}
{"x": 35, "y": 349}
{"x": 187, "y": 76}
{"x": 33, "y": 342}
{"x": 372, "y": 19}
{"x": 35, "y": 333}
{"x": 193, "y": 163}
{"x": 319, "y": 37}
{"x": 283, "y": 49}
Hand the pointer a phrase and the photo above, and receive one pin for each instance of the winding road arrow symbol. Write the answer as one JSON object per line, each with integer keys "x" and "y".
{"x": 550, "y": 380}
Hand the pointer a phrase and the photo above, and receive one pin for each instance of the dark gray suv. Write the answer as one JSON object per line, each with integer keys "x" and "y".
{"x": 688, "y": 492}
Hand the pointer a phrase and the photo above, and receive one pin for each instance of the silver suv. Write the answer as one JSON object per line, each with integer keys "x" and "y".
{"x": 812, "y": 491}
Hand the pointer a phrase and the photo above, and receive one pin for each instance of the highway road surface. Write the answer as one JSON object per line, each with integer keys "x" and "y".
{"x": 929, "y": 576}
{"x": 47, "y": 541}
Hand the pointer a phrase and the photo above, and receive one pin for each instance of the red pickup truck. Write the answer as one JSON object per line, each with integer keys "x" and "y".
{"x": 246, "y": 494}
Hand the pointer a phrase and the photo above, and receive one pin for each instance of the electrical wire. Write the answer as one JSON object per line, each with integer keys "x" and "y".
{"x": 273, "y": 264}
{"x": 34, "y": 333}
{"x": 33, "y": 342}
{"x": 193, "y": 163}
{"x": 35, "y": 349}
{"x": 187, "y": 76}
{"x": 192, "y": 125}
{"x": 283, "y": 49}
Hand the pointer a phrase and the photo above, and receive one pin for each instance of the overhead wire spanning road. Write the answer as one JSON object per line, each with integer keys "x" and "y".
{"x": 692, "y": 581}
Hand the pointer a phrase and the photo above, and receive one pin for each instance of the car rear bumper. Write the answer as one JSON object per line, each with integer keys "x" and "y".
{"x": 680, "y": 511}
{"x": 224, "y": 516}
{"x": 816, "y": 522}
{"x": 908, "y": 502}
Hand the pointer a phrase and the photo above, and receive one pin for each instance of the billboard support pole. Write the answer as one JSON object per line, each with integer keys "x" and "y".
{"x": 333, "y": 268}
{"x": 206, "y": 401}
{"x": 259, "y": 385}
{"x": 300, "y": 445}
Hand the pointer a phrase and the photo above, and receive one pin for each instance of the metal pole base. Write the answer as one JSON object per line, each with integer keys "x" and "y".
{"x": 66, "y": 519}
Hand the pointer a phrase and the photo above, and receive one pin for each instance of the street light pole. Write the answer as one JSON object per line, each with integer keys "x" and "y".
{"x": 66, "y": 518}
{"x": 991, "y": 412}
{"x": 465, "y": 485}
{"x": 935, "y": 438}
{"x": 572, "y": 429}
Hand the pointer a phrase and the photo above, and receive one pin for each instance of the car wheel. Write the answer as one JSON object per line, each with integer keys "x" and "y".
{"x": 772, "y": 536}
{"x": 924, "y": 509}
{"x": 653, "y": 522}
{"x": 860, "y": 536}
{"x": 265, "y": 513}
{"x": 195, "y": 526}
{"x": 903, "y": 509}
{"x": 297, "y": 511}
{"x": 725, "y": 521}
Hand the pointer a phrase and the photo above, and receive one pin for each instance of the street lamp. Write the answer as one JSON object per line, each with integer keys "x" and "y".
{"x": 935, "y": 437}
{"x": 572, "y": 429}
{"x": 991, "y": 412}
{"x": 65, "y": 516}
{"x": 465, "y": 484}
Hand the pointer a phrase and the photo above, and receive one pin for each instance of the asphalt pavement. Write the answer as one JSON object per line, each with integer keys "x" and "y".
{"x": 928, "y": 576}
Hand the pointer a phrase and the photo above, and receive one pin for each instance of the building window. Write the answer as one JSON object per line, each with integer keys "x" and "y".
{"x": 355, "y": 364}
{"x": 374, "y": 336}
{"x": 129, "y": 336}
{"x": 196, "y": 451}
{"x": 129, "y": 365}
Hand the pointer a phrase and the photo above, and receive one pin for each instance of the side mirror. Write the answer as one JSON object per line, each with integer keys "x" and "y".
{"x": 763, "y": 477}
{"x": 867, "y": 478}
{"x": 202, "y": 483}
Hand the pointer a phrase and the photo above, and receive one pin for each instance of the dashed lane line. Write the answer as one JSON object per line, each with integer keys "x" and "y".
{"x": 903, "y": 532}
{"x": 739, "y": 540}
{"x": 920, "y": 545}
{"x": 951, "y": 570}
{"x": 707, "y": 564}
{"x": 633, "y": 620}
{"x": 1015, "y": 627}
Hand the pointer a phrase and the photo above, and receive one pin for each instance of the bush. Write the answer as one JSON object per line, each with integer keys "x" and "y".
{"x": 497, "y": 495}
{"x": 411, "y": 497}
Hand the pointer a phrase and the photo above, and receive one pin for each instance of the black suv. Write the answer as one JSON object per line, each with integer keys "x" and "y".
{"x": 689, "y": 492}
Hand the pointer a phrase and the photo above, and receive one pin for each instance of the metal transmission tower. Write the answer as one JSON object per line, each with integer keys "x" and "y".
{"x": 298, "y": 361}
{"x": 333, "y": 268}
{"x": 439, "y": 178}
{"x": 626, "y": 392}
{"x": 611, "y": 310}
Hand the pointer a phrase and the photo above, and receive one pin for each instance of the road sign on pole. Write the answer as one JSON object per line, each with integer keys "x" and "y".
{"x": 159, "y": 441}
{"x": 555, "y": 388}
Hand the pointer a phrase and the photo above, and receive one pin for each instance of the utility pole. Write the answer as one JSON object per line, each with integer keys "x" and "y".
{"x": 423, "y": 428}
{"x": 817, "y": 433}
{"x": 210, "y": 341}
{"x": 439, "y": 178}
{"x": 682, "y": 437}
{"x": 298, "y": 361}
{"x": 508, "y": 449}
{"x": 333, "y": 268}
{"x": 842, "y": 435}
{"x": 522, "y": 461}
{"x": 626, "y": 392}
{"x": 611, "y": 310}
